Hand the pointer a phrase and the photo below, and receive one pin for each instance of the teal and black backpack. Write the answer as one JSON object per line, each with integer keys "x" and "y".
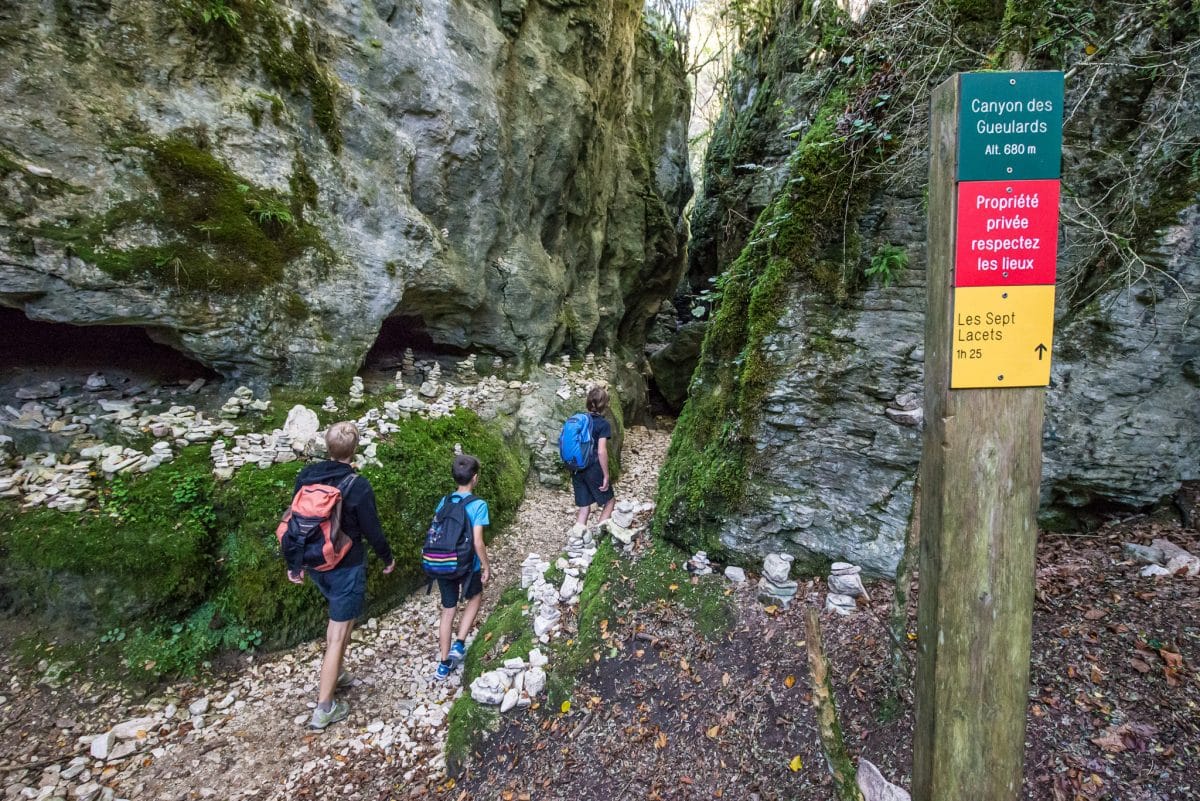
{"x": 449, "y": 549}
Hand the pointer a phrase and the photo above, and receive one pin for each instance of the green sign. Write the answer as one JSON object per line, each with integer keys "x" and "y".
{"x": 1010, "y": 125}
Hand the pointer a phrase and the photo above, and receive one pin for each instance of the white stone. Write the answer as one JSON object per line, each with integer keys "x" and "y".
{"x": 198, "y": 707}
{"x": 537, "y": 658}
{"x": 735, "y": 574}
{"x": 777, "y": 566}
{"x": 510, "y": 699}
{"x": 842, "y": 604}
{"x": 138, "y": 727}
{"x": 102, "y": 745}
{"x": 876, "y": 788}
{"x": 1151, "y": 571}
{"x": 535, "y": 681}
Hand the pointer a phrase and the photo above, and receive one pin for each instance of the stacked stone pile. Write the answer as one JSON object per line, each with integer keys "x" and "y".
{"x": 240, "y": 402}
{"x": 845, "y": 587}
{"x": 775, "y": 587}
{"x": 514, "y": 685}
{"x": 356, "y": 392}
{"x": 699, "y": 565}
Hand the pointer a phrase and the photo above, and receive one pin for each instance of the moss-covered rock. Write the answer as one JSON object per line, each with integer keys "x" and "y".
{"x": 186, "y": 566}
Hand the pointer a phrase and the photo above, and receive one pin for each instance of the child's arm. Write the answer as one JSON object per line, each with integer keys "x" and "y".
{"x": 481, "y": 552}
{"x": 602, "y": 457}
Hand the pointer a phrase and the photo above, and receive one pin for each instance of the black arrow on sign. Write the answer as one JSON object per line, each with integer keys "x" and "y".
{"x": 1040, "y": 350}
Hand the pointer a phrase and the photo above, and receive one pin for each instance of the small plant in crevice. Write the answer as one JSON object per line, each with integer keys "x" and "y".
{"x": 887, "y": 265}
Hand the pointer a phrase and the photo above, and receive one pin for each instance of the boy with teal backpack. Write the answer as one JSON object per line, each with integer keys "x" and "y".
{"x": 455, "y": 555}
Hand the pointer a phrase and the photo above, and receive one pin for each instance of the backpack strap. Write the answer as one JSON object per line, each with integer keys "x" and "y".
{"x": 344, "y": 485}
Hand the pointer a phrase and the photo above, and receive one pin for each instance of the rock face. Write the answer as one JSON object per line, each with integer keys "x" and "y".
{"x": 262, "y": 191}
{"x": 818, "y": 396}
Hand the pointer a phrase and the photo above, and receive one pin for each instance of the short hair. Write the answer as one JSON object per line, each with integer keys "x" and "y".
{"x": 341, "y": 440}
{"x": 597, "y": 400}
{"x": 464, "y": 468}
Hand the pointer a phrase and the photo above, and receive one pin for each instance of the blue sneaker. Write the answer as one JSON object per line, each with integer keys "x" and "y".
{"x": 458, "y": 652}
{"x": 444, "y": 669}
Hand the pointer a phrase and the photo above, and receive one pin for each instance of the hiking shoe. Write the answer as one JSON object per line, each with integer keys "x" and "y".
{"x": 320, "y": 720}
{"x": 444, "y": 669}
{"x": 458, "y": 652}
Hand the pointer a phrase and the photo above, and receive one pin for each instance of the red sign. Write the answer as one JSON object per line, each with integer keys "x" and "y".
{"x": 1007, "y": 233}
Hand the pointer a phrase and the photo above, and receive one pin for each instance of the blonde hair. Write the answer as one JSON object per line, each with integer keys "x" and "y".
{"x": 341, "y": 440}
{"x": 597, "y": 400}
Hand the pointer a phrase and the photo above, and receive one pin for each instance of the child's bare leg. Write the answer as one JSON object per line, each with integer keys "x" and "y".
{"x": 468, "y": 618}
{"x": 337, "y": 634}
{"x": 607, "y": 511}
{"x": 445, "y": 626}
{"x": 582, "y": 517}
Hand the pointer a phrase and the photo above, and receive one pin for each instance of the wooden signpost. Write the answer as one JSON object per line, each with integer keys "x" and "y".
{"x": 993, "y": 229}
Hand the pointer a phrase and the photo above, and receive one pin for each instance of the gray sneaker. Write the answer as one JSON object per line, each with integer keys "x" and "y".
{"x": 320, "y": 720}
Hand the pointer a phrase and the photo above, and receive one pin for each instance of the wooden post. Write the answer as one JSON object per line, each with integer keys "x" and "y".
{"x": 980, "y": 472}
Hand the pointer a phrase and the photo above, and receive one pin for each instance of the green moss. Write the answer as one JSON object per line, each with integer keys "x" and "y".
{"x": 295, "y": 307}
{"x": 296, "y": 68}
{"x": 220, "y": 232}
{"x": 707, "y": 463}
{"x": 304, "y": 188}
{"x": 144, "y": 553}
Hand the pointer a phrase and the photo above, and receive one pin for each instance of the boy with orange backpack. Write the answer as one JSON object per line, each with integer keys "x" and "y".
{"x": 332, "y": 512}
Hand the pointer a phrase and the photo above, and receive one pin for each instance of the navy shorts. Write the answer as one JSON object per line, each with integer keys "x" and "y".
{"x": 586, "y": 483}
{"x": 467, "y": 586}
{"x": 345, "y": 588}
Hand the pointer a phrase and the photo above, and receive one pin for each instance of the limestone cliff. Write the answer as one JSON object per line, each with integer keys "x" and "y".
{"x": 801, "y": 432}
{"x": 261, "y": 183}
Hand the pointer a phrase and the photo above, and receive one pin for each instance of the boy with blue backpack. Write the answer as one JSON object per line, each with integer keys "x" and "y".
{"x": 455, "y": 554}
{"x": 583, "y": 446}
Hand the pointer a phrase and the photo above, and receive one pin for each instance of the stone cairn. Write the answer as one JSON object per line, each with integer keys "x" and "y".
{"x": 242, "y": 399}
{"x": 699, "y": 565}
{"x": 497, "y": 364}
{"x": 356, "y": 392}
{"x": 466, "y": 370}
{"x": 845, "y": 585}
{"x": 620, "y": 525}
{"x": 329, "y": 405}
{"x": 775, "y": 587}
{"x": 222, "y": 467}
{"x": 514, "y": 685}
{"x": 408, "y": 364}
{"x": 398, "y": 381}
{"x": 431, "y": 387}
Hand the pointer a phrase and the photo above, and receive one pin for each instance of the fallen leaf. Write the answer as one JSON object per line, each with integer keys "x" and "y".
{"x": 1094, "y": 614}
{"x": 789, "y": 682}
{"x": 1090, "y": 49}
{"x": 1139, "y": 665}
{"x": 685, "y": 780}
{"x": 1172, "y": 659}
{"x": 673, "y": 587}
{"x": 725, "y": 680}
{"x": 660, "y": 742}
{"x": 508, "y": 795}
{"x": 772, "y": 609}
{"x": 683, "y": 665}
{"x": 796, "y": 764}
{"x": 713, "y": 732}
{"x": 1037, "y": 711}
{"x": 1097, "y": 675}
{"x": 595, "y": 699}
{"x": 566, "y": 707}
{"x": 487, "y": 636}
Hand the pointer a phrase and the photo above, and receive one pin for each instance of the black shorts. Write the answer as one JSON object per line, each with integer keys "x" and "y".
{"x": 345, "y": 588}
{"x": 586, "y": 483}
{"x": 467, "y": 586}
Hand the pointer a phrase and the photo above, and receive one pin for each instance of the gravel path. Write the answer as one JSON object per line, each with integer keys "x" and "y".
{"x": 245, "y": 735}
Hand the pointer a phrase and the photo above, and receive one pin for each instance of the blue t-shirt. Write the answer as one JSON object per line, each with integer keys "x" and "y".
{"x": 477, "y": 513}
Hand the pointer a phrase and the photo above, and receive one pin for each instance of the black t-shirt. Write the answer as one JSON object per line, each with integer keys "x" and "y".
{"x": 601, "y": 428}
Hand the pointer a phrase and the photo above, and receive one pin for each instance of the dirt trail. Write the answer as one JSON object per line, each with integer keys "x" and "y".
{"x": 246, "y": 737}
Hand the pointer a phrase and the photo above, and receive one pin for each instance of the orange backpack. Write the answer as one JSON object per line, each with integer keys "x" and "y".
{"x": 311, "y": 529}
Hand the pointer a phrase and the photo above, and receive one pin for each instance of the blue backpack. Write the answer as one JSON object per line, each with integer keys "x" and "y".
{"x": 449, "y": 549}
{"x": 575, "y": 443}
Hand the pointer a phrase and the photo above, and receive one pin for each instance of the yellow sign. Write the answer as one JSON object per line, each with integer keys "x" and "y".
{"x": 1002, "y": 336}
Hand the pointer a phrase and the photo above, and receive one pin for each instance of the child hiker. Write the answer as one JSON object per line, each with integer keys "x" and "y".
{"x": 344, "y": 585}
{"x": 592, "y": 484}
{"x": 469, "y": 587}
